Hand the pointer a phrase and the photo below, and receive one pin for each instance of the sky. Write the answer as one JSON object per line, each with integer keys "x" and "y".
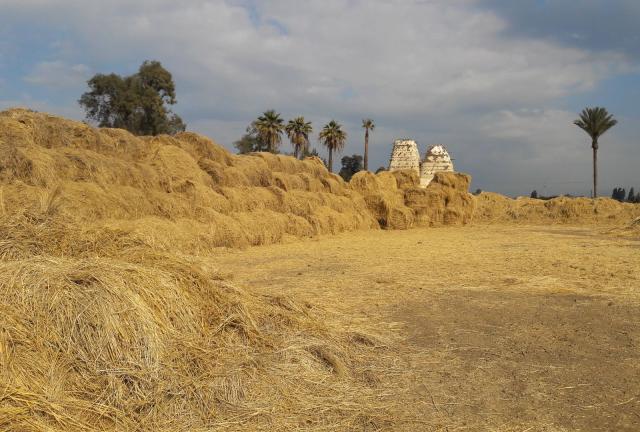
{"x": 498, "y": 82}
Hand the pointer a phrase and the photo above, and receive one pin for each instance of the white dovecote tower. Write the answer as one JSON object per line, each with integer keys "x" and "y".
{"x": 405, "y": 156}
{"x": 436, "y": 160}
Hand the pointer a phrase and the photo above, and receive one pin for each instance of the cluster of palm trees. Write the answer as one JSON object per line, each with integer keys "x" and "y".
{"x": 270, "y": 127}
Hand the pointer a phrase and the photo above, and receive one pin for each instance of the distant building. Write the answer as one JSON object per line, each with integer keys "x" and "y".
{"x": 436, "y": 160}
{"x": 405, "y": 156}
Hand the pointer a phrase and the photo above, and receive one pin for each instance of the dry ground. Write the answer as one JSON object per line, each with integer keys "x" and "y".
{"x": 505, "y": 328}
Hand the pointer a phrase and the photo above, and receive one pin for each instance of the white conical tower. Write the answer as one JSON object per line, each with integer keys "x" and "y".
{"x": 436, "y": 160}
{"x": 405, "y": 156}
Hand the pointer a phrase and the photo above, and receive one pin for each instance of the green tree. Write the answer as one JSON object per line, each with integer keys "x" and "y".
{"x": 333, "y": 138}
{"x": 380, "y": 169}
{"x": 618, "y": 194}
{"x": 534, "y": 194}
{"x": 368, "y": 125}
{"x": 138, "y": 103}
{"x": 268, "y": 128}
{"x": 249, "y": 143}
{"x": 298, "y": 131}
{"x": 632, "y": 195}
{"x": 350, "y": 166}
{"x": 595, "y": 122}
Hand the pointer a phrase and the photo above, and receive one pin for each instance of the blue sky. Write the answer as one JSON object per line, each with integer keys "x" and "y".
{"x": 498, "y": 82}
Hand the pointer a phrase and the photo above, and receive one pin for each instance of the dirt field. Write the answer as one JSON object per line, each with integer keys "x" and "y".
{"x": 503, "y": 328}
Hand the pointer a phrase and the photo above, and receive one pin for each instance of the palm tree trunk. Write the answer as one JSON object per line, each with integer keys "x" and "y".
{"x": 594, "y": 146}
{"x": 366, "y": 150}
{"x": 330, "y": 159}
{"x": 295, "y": 151}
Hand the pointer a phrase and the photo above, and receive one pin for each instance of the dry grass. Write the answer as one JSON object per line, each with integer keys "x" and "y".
{"x": 508, "y": 327}
{"x": 496, "y": 208}
{"x": 111, "y": 318}
{"x": 154, "y": 342}
{"x": 113, "y": 315}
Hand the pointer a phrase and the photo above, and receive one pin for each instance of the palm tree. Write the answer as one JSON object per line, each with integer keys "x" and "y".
{"x": 368, "y": 125}
{"x": 333, "y": 138}
{"x": 268, "y": 128}
{"x": 298, "y": 131}
{"x": 595, "y": 122}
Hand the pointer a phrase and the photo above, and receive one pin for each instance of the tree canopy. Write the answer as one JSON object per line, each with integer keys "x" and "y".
{"x": 298, "y": 131}
{"x": 249, "y": 143}
{"x": 333, "y": 138}
{"x": 350, "y": 166}
{"x": 595, "y": 122}
{"x": 268, "y": 129}
{"x": 138, "y": 103}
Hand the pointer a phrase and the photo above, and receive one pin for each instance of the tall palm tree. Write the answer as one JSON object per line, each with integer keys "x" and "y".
{"x": 268, "y": 128}
{"x": 595, "y": 122}
{"x": 368, "y": 125}
{"x": 333, "y": 138}
{"x": 298, "y": 131}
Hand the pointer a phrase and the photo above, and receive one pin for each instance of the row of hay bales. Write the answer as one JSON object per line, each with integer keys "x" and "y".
{"x": 496, "y": 208}
{"x": 187, "y": 192}
{"x": 173, "y": 190}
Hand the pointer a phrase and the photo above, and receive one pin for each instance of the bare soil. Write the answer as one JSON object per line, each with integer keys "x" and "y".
{"x": 502, "y": 328}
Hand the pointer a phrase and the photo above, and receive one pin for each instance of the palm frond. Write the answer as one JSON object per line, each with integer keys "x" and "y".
{"x": 368, "y": 124}
{"x": 332, "y": 136}
{"x": 595, "y": 121}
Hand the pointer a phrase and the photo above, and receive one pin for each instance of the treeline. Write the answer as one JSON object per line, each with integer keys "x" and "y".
{"x": 621, "y": 195}
{"x": 535, "y": 195}
{"x": 140, "y": 103}
{"x": 266, "y": 132}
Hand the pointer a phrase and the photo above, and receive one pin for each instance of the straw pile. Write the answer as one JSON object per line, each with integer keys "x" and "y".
{"x": 630, "y": 230}
{"x": 111, "y": 318}
{"x": 445, "y": 201}
{"x": 154, "y": 342}
{"x": 169, "y": 191}
{"x": 384, "y": 199}
{"x": 496, "y": 208}
{"x": 397, "y": 201}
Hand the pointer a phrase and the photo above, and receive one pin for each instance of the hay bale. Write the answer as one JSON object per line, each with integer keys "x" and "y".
{"x": 254, "y": 169}
{"x": 405, "y": 178}
{"x": 400, "y": 218}
{"x": 445, "y": 201}
{"x": 200, "y": 147}
{"x": 387, "y": 180}
{"x": 365, "y": 182}
{"x": 383, "y": 198}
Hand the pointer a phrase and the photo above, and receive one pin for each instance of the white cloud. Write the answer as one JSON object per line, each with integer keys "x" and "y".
{"x": 438, "y": 70}
{"x": 58, "y": 74}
